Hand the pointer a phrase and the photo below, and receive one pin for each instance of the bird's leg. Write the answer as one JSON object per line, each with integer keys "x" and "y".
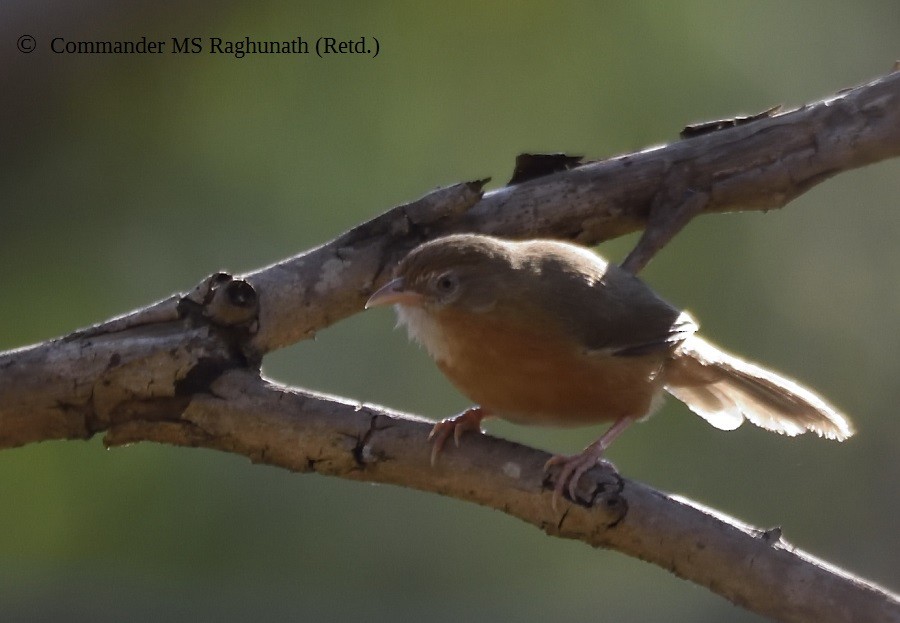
{"x": 574, "y": 466}
{"x": 470, "y": 419}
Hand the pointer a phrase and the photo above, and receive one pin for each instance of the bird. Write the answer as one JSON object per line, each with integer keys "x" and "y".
{"x": 546, "y": 332}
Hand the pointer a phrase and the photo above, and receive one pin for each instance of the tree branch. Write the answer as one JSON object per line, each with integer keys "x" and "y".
{"x": 184, "y": 371}
{"x": 302, "y": 431}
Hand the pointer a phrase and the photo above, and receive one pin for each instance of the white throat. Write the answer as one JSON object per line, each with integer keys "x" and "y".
{"x": 422, "y": 328}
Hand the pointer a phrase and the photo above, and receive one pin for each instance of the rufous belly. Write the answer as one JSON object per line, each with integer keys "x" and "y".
{"x": 542, "y": 377}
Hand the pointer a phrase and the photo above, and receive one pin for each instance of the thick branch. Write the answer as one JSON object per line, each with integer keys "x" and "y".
{"x": 185, "y": 370}
{"x": 304, "y": 432}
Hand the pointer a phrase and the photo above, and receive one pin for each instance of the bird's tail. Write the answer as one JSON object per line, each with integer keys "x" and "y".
{"x": 724, "y": 390}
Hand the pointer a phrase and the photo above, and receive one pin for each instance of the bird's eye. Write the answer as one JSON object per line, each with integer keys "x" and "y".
{"x": 446, "y": 283}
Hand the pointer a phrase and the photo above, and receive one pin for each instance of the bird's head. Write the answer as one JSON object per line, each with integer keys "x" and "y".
{"x": 464, "y": 272}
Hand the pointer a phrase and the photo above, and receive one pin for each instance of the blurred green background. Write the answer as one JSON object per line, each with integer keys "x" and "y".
{"x": 125, "y": 179}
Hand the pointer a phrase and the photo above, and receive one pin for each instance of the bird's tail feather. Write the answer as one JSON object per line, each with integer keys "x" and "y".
{"x": 724, "y": 390}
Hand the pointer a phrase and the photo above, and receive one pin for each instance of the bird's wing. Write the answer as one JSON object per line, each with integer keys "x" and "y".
{"x": 607, "y": 309}
{"x": 683, "y": 327}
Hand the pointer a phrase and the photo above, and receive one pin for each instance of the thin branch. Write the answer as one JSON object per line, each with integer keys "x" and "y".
{"x": 757, "y": 166}
{"x": 185, "y": 370}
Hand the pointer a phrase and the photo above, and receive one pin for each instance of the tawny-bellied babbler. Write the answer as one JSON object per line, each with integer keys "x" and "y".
{"x": 545, "y": 332}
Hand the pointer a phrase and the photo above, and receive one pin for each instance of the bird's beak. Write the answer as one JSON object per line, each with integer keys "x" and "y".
{"x": 393, "y": 293}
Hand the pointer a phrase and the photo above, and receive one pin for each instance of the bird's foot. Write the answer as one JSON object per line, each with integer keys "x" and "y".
{"x": 572, "y": 468}
{"x": 470, "y": 419}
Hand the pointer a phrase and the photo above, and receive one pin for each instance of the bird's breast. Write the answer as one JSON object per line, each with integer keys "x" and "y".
{"x": 522, "y": 370}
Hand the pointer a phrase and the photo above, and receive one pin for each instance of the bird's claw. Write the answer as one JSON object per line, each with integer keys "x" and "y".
{"x": 470, "y": 419}
{"x": 572, "y": 469}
